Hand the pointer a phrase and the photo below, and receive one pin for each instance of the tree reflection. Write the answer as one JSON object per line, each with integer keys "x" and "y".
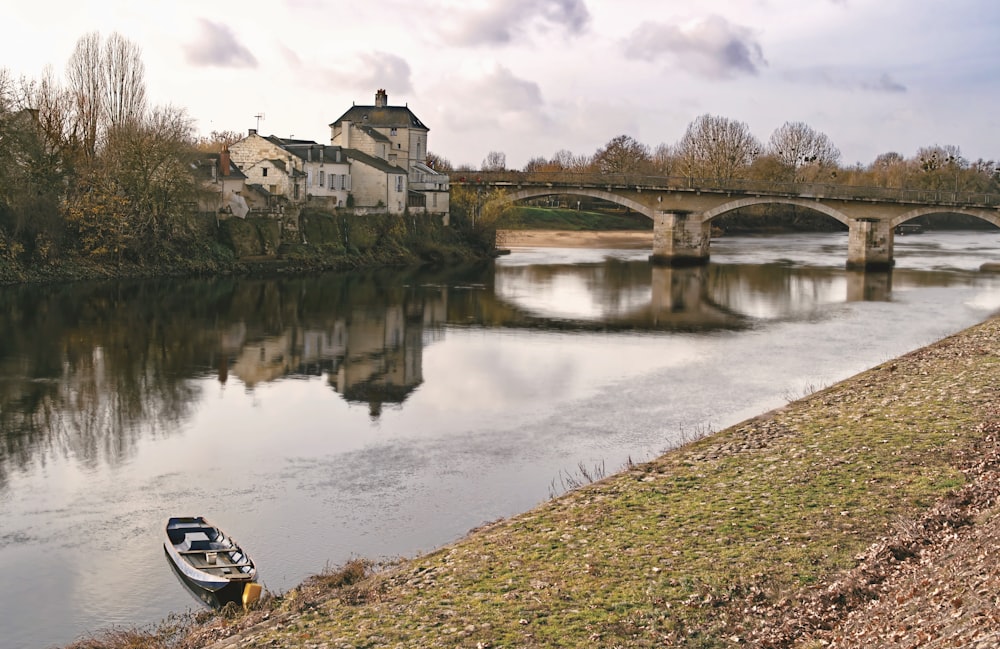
{"x": 89, "y": 369}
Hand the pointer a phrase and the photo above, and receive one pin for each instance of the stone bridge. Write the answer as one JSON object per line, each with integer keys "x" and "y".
{"x": 682, "y": 209}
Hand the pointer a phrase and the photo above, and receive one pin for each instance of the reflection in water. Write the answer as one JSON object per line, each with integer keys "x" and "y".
{"x": 384, "y": 413}
{"x": 87, "y": 368}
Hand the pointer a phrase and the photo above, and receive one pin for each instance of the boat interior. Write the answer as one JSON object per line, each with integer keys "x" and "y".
{"x": 207, "y": 549}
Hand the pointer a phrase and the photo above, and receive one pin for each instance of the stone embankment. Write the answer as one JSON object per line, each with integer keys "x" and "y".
{"x": 863, "y": 515}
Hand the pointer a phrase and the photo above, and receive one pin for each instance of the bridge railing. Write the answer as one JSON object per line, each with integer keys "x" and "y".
{"x": 567, "y": 179}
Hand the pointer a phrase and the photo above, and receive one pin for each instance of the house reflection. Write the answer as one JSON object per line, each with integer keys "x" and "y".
{"x": 373, "y": 354}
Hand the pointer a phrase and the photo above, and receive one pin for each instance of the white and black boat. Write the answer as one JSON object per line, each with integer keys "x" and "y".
{"x": 209, "y": 560}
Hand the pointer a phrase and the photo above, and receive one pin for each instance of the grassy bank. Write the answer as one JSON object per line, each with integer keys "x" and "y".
{"x": 775, "y": 532}
{"x": 554, "y": 218}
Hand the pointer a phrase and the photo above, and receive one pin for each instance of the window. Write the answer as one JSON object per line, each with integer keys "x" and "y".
{"x": 333, "y": 181}
{"x": 322, "y": 178}
{"x": 392, "y": 131}
{"x": 399, "y": 183}
{"x": 263, "y": 171}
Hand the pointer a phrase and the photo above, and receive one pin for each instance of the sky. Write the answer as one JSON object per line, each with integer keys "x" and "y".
{"x": 532, "y": 77}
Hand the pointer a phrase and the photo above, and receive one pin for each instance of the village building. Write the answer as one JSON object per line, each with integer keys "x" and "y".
{"x": 224, "y": 188}
{"x": 396, "y": 135}
{"x": 374, "y": 163}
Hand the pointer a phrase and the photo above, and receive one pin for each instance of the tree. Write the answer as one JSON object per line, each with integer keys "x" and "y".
{"x": 123, "y": 83}
{"x": 717, "y": 148}
{"x": 806, "y": 152}
{"x": 940, "y": 167}
{"x": 33, "y": 163}
{"x": 217, "y": 140}
{"x": 536, "y": 164}
{"x": 564, "y": 160}
{"x": 889, "y": 169}
{"x": 664, "y": 159}
{"x": 133, "y": 202}
{"x": 622, "y": 155}
{"x": 438, "y": 163}
{"x": 107, "y": 83}
{"x": 495, "y": 161}
{"x": 83, "y": 73}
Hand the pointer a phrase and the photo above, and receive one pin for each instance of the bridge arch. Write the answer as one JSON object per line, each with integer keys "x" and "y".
{"x": 712, "y": 213}
{"x": 988, "y": 216}
{"x": 537, "y": 192}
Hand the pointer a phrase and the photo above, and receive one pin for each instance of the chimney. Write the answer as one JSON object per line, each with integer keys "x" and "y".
{"x": 251, "y": 131}
{"x": 381, "y": 99}
{"x": 224, "y": 160}
{"x": 345, "y": 135}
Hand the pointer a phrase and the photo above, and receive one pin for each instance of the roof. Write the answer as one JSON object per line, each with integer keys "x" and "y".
{"x": 372, "y": 161}
{"x": 373, "y": 134}
{"x": 203, "y": 168}
{"x": 381, "y": 117}
{"x": 312, "y": 152}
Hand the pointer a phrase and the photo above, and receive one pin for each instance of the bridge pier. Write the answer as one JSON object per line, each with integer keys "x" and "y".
{"x": 680, "y": 239}
{"x": 869, "y": 244}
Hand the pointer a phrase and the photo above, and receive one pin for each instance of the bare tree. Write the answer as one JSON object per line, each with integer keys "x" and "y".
{"x": 107, "y": 83}
{"x": 621, "y": 155}
{"x": 718, "y": 148}
{"x": 83, "y": 74}
{"x": 495, "y": 161}
{"x": 803, "y": 150}
{"x": 889, "y": 169}
{"x": 564, "y": 160}
{"x": 124, "y": 82}
{"x": 438, "y": 163}
{"x": 664, "y": 159}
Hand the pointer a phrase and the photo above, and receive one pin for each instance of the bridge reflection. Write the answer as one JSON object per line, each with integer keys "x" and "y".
{"x": 88, "y": 369}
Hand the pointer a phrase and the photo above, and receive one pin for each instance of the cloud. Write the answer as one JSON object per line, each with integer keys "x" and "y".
{"x": 383, "y": 70}
{"x": 495, "y": 99}
{"x": 504, "y": 21}
{"x": 846, "y": 80}
{"x": 218, "y": 46}
{"x": 713, "y": 47}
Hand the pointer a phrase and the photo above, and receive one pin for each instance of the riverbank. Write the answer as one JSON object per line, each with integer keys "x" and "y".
{"x": 575, "y": 239}
{"x": 862, "y": 515}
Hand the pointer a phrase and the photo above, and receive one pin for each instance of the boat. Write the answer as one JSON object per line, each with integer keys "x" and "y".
{"x": 909, "y": 228}
{"x": 210, "y": 562}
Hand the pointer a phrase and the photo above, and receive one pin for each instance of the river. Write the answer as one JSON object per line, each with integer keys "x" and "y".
{"x": 383, "y": 414}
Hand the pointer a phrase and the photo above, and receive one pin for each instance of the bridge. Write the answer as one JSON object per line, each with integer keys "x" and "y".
{"x": 682, "y": 208}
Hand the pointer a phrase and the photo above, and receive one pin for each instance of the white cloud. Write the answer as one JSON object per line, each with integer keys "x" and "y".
{"x": 713, "y": 47}
{"x": 505, "y": 21}
{"x": 217, "y": 45}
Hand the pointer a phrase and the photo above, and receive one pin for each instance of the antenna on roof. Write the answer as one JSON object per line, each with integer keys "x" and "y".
{"x": 259, "y": 117}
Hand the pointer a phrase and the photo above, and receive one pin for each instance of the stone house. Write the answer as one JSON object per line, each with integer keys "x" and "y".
{"x": 394, "y": 134}
{"x": 302, "y": 171}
